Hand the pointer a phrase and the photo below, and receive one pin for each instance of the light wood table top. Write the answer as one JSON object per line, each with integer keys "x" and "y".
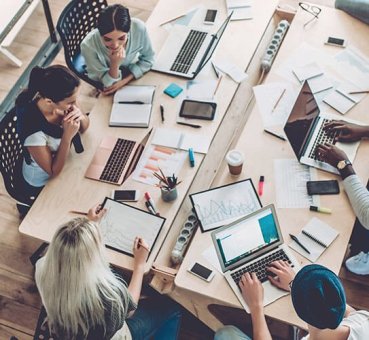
{"x": 260, "y": 152}
{"x": 71, "y": 191}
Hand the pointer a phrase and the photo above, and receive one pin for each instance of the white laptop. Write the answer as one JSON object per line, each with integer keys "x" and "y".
{"x": 249, "y": 245}
{"x": 187, "y": 50}
{"x": 304, "y": 130}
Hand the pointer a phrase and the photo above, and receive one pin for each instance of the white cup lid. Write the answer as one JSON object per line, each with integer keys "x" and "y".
{"x": 234, "y": 158}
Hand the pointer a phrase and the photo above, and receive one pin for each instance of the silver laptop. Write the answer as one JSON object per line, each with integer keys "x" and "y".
{"x": 249, "y": 245}
{"x": 304, "y": 130}
{"x": 187, "y": 50}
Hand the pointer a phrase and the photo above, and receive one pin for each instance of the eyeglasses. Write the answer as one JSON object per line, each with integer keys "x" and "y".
{"x": 313, "y": 10}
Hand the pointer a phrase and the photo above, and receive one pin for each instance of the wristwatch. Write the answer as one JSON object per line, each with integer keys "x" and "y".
{"x": 342, "y": 164}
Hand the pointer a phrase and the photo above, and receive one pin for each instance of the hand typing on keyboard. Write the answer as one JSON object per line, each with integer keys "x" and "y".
{"x": 284, "y": 274}
{"x": 330, "y": 154}
{"x": 346, "y": 132}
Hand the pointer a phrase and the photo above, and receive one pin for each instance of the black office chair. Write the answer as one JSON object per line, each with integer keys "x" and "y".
{"x": 75, "y": 22}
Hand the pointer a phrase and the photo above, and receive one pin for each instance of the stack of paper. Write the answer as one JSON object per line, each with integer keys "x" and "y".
{"x": 241, "y": 9}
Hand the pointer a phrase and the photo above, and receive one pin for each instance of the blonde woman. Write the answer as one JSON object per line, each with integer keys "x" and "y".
{"x": 84, "y": 299}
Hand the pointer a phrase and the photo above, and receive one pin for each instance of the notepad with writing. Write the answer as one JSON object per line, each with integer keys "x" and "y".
{"x": 316, "y": 236}
{"x": 132, "y": 106}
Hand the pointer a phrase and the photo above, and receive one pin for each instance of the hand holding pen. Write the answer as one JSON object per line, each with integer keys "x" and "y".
{"x": 140, "y": 250}
{"x": 95, "y": 213}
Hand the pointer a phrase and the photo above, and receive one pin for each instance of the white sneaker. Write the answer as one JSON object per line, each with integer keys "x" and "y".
{"x": 358, "y": 264}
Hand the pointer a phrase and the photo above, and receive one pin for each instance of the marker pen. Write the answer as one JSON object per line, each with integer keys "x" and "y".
{"x": 261, "y": 185}
{"x": 151, "y": 202}
{"x": 192, "y": 157}
{"x": 149, "y": 208}
{"x": 320, "y": 209}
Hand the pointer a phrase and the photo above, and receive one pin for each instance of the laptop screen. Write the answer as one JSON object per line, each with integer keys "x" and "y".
{"x": 247, "y": 236}
{"x": 301, "y": 119}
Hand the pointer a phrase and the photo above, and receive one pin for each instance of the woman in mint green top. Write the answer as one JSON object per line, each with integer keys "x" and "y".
{"x": 118, "y": 50}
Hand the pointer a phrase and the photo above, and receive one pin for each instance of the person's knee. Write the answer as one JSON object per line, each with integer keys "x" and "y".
{"x": 229, "y": 333}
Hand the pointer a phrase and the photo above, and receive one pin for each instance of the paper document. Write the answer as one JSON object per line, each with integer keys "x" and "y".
{"x": 320, "y": 84}
{"x": 210, "y": 255}
{"x": 196, "y": 89}
{"x": 242, "y": 9}
{"x": 122, "y": 223}
{"x": 158, "y": 157}
{"x": 307, "y": 71}
{"x": 179, "y": 140}
{"x": 316, "y": 236}
{"x": 290, "y": 179}
{"x": 231, "y": 69}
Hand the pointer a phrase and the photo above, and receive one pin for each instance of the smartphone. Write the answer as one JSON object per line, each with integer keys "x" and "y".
{"x": 329, "y": 187}
{"x": 125, "y": 195}
{"x": 336, "y": 42}
{"x": 202, "y": 272}
{"x": 210, "y": 16}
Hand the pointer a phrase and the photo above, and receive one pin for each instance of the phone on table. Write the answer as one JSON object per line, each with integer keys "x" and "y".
{"x": 125, "y": 195}
{"x": 335, "y": 42}
{"x": 210, "y": 16}
{"x": 201, "y": 271}
{"x": 329, "y": 187}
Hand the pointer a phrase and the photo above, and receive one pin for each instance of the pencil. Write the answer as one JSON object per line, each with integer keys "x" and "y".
{"x": 279, "y": 99}
{"x": 78, "y": 212}
{"x": 216, "y": 88}
{"x": 170, "y": 20}
{"x": 359, "y": 92}
{"x": 141, "y": 245}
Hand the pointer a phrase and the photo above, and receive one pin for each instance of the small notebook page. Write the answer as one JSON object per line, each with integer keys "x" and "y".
{"x": 307, "y": 71}
{"x": 135, "y": 93}
{"x": 320, "y": 234}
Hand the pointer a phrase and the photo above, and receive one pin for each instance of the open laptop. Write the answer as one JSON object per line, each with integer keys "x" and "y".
{"x": 187, "y": 50}
{"x": 304, "y": 130}
{"x": 115, "y": 159}
{"x": 249, "y": 245}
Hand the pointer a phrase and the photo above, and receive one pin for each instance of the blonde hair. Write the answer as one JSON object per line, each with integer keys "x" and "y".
{"x": 76, "y": 280}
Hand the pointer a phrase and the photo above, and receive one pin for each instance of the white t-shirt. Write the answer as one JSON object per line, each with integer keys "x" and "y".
{"x": 33, "y": 173}
{"x": 358, "y": 322}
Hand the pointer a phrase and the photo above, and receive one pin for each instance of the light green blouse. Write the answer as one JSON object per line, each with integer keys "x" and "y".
{"x": 139, "y": 54}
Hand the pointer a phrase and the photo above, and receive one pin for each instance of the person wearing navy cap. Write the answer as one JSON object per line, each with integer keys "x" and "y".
{"x": 318, "y": 298}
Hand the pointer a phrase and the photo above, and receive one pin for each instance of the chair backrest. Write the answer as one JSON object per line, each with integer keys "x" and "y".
{"x": 11, "y": 159}
{"x": 75, "y": 22}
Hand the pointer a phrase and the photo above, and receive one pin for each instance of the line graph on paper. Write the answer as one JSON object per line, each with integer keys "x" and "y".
{"x": 223, "y": 205}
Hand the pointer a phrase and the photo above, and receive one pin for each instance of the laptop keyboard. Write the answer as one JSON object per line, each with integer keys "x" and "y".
{"x": 260, "y": 267}
{"x": 188, "y": 51}
{"x": 117, "y": 160}
{"x": 322, "y": 138}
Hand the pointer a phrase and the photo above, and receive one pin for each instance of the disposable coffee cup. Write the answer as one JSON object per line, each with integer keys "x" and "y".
{"x": 235, "y": 161}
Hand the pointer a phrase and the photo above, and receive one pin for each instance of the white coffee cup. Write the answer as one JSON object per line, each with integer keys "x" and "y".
{"x": 235, "y": 161}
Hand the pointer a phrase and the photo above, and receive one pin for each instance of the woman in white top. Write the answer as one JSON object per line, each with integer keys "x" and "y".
{"x": 84, "y": 299}
{"x": 48, "y": 121}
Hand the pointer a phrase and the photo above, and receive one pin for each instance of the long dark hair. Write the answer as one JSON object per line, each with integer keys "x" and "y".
{"x": 114, "y": 17}
{"x": 55, "y": 82}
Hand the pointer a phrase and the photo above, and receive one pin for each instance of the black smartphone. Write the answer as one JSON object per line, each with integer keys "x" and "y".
{"x": 210, "y": 16}
{"x": 329, "y": 187}
{"x": 125, "y": 195}
{"x": 202, "y": 272}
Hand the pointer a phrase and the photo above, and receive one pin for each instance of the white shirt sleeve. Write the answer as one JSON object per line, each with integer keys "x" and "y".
{"x": 36, "y": 139}
{"x": 359, "y": 198}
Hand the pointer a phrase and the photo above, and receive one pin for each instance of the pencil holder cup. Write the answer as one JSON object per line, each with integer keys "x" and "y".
{"x": 169, "y": 195}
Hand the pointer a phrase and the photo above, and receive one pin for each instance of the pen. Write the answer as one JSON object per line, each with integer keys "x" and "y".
{"x": 149, "y": 208}
{"x": 151, "y": 202}
{"x": 313, "y": 239}
{"x": 170, "y": 20}
{"x": 320, "y": 209}
{"x": 189, "y": 124}
{"x": 279, "y": 99}
{"x": 261, "y": 185}
{"x": 274, "y": 134}
{"x": 192, "y": 157}
{"x": 216, "y": 88}
{"x": 162, "y": 113}
{"x": 78, "y": 212}
{"x": 299, "y": 243}
{"x": 134, "y": 102}
{"x": 215, "y": 70}
{"x": 141, "y": 245}
{"x": 359, "y": 92}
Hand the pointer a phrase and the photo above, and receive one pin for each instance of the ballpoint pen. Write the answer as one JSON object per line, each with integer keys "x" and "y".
{"x": 149, "y": 208}
{"x": 162, "y": 113}
{"x": 274, "y": 134}
{"x": 189, "y": 124}
{"x": 299, "y": 243}
{"x": 279, "y": 99}
{"x": 192, "y": 157}
{"x": 134, "y": 102}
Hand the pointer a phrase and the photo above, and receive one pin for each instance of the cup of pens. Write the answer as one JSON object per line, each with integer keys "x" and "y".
{"x": 167, "y": 185}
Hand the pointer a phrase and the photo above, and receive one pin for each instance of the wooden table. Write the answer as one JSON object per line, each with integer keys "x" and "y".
{"x": 71, "y": 191}
{"x": 260, "y": 151}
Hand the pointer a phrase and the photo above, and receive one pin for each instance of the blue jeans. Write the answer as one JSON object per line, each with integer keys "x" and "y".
{"x": 357, "y": 8}
{"x": 230, "y": 333}
{"x": 156, "y": 317}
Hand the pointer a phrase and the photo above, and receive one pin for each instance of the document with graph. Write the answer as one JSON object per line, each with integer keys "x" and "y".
{"x": 219, "y": 206}
{"x": 122, "y": 223}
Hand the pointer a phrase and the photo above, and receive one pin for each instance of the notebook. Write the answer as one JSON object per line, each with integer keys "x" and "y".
{"x": 316, "y": 236}
{"x": 122, "y": 223}
{"x": 132, "y": 106}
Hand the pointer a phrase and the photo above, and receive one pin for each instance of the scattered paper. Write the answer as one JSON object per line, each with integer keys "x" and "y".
{"x": 290, "y": 179}
{"x": 232, "y": 70}
{"x": 242, "y": 9}
{"x": 210, "y": 255}
{"x": 307, "y": 71}
{"x": 196, "y": 89}
{"x": 320, "y": 84}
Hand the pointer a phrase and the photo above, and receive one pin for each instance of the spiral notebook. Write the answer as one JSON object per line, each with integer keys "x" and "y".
{"x": 316, "y": 236}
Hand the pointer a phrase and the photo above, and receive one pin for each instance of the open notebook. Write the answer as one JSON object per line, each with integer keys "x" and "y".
{"x": 316, "y": 236}
{"x": 132, "y": 106}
